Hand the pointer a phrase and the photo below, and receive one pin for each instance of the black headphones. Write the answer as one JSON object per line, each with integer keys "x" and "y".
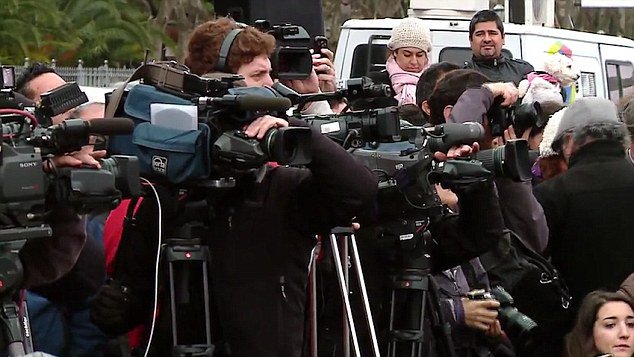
{"x": 222, "y": 64}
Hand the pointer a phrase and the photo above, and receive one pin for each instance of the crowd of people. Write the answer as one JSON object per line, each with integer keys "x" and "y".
{"x": 573, "y": 216}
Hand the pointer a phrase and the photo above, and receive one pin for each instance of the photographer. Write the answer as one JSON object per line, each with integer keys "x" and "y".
{"x": 464, "y": 96}
{"x": 249, "y": 56}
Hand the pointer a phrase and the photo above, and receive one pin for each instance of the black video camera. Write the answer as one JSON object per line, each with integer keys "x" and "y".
{"x": 520, "y": 328}
{"x": 358, "y": 128}
{"x": 292, "y": 58}
{"x": 27, "y": 193}
{"x": 233, "y": 111}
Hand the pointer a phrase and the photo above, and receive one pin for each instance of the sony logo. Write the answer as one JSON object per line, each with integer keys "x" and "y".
{"x": 26, "y": 165}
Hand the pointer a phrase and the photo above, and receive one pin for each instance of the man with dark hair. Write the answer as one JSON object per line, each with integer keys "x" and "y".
{"x": 39, "y": 78}
{"x": 486, "y": 35}
{"x": 427, "y": 82}
{"x": 59, "y": 311}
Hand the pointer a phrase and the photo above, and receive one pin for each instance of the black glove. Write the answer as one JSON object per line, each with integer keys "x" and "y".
{"x": 113, "y": 310}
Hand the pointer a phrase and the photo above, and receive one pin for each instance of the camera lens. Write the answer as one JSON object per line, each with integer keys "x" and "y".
{"x": 287, "y": 146}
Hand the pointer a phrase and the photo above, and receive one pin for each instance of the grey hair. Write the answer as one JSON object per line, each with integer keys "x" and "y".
{"x": 602, "y": 131}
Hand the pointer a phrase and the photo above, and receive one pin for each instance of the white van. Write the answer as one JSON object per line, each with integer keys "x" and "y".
{"x": 605, "y": 62}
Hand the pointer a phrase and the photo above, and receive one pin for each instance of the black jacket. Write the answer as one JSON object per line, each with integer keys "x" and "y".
{"x": 501, "y": 69}
{"x": 588, "y": 209}
{"x": 260, "y": 241}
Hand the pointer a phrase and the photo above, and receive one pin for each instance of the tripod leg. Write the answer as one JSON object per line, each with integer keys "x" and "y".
{"x": 26, "y": 323}
{"x": 364, "y": 295}
{"x": 345, "y": 329}
{"x": 344, "y": 294}
{"x": 312, "y": 277}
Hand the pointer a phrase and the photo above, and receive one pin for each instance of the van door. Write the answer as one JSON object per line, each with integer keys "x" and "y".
{"x": 619, "y": 71}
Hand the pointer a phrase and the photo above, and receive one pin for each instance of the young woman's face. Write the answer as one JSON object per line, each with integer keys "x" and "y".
{"x": 410, "y": 59}
{"x": 613, "y": 329}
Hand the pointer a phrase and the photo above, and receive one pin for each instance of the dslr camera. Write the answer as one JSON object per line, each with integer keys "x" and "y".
{"x": 521, "y": 116}
{"x": 520, "y": 328}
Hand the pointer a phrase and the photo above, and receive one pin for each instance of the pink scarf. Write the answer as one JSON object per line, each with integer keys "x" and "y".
{"x": 403, "y": 82}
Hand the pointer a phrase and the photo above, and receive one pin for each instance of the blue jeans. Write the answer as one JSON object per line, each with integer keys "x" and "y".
{"x": 64, "y": 330}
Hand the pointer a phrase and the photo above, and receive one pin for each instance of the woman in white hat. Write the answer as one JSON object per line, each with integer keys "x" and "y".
{"x": 408, "y": 56}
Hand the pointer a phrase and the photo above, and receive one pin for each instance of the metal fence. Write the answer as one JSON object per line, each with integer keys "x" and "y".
{"x": 102, "y": 76}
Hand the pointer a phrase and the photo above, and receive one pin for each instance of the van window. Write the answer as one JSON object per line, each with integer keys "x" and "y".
{"x": 460, "y": 55}
{"x": 360, "y": 59}
{"x": 620, "y": 79}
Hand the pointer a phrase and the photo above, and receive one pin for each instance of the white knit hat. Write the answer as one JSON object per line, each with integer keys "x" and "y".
{"x": 410, "y": 32}
{"x": 550, "y": 131}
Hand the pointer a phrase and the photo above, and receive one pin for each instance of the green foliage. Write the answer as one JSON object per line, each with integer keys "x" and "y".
{"x": 69, "y": 30}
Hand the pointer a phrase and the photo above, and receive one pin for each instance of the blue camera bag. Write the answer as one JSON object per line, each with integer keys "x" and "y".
{"x": 164, "y": 153}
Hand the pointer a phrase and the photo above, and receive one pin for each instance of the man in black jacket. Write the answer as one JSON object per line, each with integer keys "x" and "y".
{"x": 486, "y": 35}
{"x": 588, "y": 206}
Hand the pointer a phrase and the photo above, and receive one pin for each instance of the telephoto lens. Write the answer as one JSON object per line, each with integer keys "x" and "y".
{"x": 520, "y": 328}
{"x": 511, "y": 160}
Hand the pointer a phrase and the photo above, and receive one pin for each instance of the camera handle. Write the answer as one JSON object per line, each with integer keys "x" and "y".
{"x": 345, "y": 236}
{"x": 414, "y": 296}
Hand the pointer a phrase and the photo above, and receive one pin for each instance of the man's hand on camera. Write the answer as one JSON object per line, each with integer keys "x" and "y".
{"x": 84, "y": 157}
{"x": 507, "y": 90}
{"x": 495, "y": 330}
{"x": 457, "y": 151}
{"x": 259, "y": 127}
{"x": 480, "y": 314}
{"x": 325, "y": 70}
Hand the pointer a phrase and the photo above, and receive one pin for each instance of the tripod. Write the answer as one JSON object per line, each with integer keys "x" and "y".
{"x": 187, "y": 276}
{"x": 344, "y": 237}
{"x": 414, "y": 303}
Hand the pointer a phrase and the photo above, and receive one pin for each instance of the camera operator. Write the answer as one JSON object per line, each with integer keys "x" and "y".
{"x": 261, "y": 240}
{"x": 59, "y": 311}
{"x": 249, "y": 57}
{"x": 486, "y": 35}
{"x": 261, "y": 232}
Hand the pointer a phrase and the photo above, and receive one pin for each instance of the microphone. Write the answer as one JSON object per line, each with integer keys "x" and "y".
{"x": 444, "y": 136}
{"x": 248, "y": 102}
{"x": 103, "y": 126}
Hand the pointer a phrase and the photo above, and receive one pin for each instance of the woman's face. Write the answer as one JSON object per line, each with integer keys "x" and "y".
{"x": 613, "y": 329}
{"x": 410, "y": 59}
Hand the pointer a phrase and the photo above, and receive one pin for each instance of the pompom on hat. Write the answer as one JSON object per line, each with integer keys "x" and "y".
{"x": 410, "y": 32}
